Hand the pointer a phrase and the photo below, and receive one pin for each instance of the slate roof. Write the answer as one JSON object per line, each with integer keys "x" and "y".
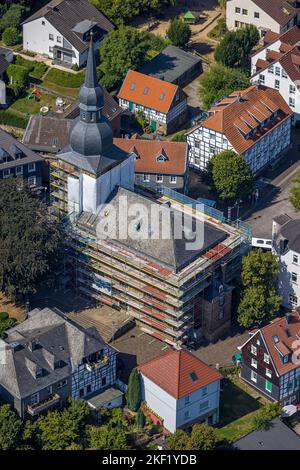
{"x": 291, "y": 232}
{"x": 147, "y": 152}
{"x": 57, "y": 339}
{"x": 179, "y": 373}
{"x": 239, "y": 115}
{"x": 169, "y": 251}
{"x": 3, "y": 64}
{"x": 170, "y": 64}
{"x": 110, "y": 110}
{"x": 278, "y": 437}
{"x": 7, "y": 143}
{"x": 148, "y": 91}
{"x": 65, "y": 15}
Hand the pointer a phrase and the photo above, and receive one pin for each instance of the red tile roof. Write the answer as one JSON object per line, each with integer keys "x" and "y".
{"x": 288, "y": 335}
{"x": 226, "y": 115}
{"x": 148, "y": 91}
{"x": 149, "y": 150}
{"x": 172, "y": 372}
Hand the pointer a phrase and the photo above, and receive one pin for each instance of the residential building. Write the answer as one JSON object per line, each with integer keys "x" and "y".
{"x": 158, "y": 162}
{"x": 174, "y": 65}
{"x": 163, "y": 104}
{"x": 6, "y": 58}
{"x": 276, "y": 15}
{"x": 158, "y": 279}
{"x": 286, "y": 246}
{"x": 276, "y": 65}
{"x": 255, "y": 123}
{"x": 270, "y": 359}
{"x": 16, "y": 160}
{"x": 48, "y": 358}
{"x": 61, "y": 30}
{"x": 180, "y": 390}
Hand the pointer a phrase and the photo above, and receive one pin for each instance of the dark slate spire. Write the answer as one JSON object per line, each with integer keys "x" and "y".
{"x": 92, "y": 133}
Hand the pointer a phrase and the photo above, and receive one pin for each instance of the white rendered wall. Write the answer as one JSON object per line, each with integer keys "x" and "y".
{"x": 263, "y": 22}
{"x": 74, "y": 194}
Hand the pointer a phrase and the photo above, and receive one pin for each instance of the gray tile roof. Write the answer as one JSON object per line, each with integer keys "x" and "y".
{"x": 65, "y": 15}
{"x": 170, "y": 64}
{"x": 291, "y": 232}
{"x": 6, "y": 143}
{"x": 169, "y": 251}
{"x": 278, "y": 437}
{"x": 110, "y": 110}
{"x": 3, "y": 64}
{"x": 57, "y": 339}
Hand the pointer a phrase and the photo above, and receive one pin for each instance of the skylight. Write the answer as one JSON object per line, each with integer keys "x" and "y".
{"x": 162, "y": 96}
{"x": 275, "y": 339}
{"x": 194, "y": 376}
{"x": 145, "y": 92}
{"x": 132, "y": 86}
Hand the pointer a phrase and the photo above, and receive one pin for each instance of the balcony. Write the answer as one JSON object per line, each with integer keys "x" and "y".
{"x": 35, "y": 410}
{"x": 91, "y": 366}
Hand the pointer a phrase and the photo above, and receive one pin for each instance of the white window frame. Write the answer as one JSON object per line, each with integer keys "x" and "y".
{"x": 253, "y": 350}
{"x": 253, "y": 376}
{"x": 159, "y": 178}
{"x": 31, "y": 181}
{"x": 51, "y": 37}
{"x": 35, "y": 398}
{"x": 294, "y": 278}
{"x": 146, "y": 178}
{"x": 295, "y": 259}
{"x": 6, "y": 173}
{"x": 21, "y": 170}
{"x": 253, "y": 363}
{"x": 31, "y": 167}
{"x": 266, "y": 358}
{"x": 173, "y": 179}
{"x": 268, "y": 373}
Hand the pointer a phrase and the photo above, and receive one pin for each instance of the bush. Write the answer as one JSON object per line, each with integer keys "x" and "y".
{"x": 75, "y": 67}
{"x": 65, "y": 79}
{"x": 35, "y": 69}
{"x": 18, "y": 77}
{"x": 10, "y": 36}
{"x": 9, "y": 118}
{"x": 28, "y": 64}
{"x": 262, "y": 419}
{"x": 219, "y": 30}
{"x": 179, "y": 137}
{"x": 3, "y": 316}
{"x": 179, "y": 33}
{"x": 140, "y": 419}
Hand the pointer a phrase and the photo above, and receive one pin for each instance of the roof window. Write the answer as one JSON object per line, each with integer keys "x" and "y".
{"x": 275, "y": 339}
{"x": 145, "y": 92}
{"x": 194, "y": 376}
{"x": 132, "y": 86}
{"x": 162, "y": 96}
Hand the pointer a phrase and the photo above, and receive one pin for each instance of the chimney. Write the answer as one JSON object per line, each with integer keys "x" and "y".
{"x": 288, "y": 317}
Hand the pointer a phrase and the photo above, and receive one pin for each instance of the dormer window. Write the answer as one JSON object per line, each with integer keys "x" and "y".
{"x": 161, "y": 158}
{"x": 39, "y": 373}
{"x": 285, "y": 359}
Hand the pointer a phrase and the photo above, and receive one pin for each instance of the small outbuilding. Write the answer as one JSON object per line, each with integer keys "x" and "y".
{"x": 189, "y": 17}
{"x": 174, "y": 65}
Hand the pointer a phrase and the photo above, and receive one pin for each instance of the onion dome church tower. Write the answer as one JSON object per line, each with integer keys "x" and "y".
{"x": 91, "y": 152}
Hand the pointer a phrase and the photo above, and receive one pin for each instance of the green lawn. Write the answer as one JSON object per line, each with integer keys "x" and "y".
{"x": 237, "y": 409}
{"x": 24, "y": 105}
{"x": 65, "y": 79}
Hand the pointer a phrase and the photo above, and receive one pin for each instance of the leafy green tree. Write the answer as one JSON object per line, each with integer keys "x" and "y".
{"x": 263, "y": 417}
{"x": 123, "y": 49}
{"x": 259, "y": 300}
{"x": 18, "y": 78}
{"x": 295, "y": 192}
{"x": 133, "y": 394}
{"x": 179, "y": 440}
{"x": 179, "y": 33}
{"x": 140, "y": 420}
{"x": 219, "y": 81}
{"x": 230, "y": 175}
{"x": 10, "y": 428}
{"x": 203, "y": 437}
{"x": 107, "y": 438}
{"x": 58, "y": 430}
{"x": 29, "y": 238}
{"x": 12, "y": 17}
{"x": 122, "y": 10}
{"x": 5, "y": 324}
{"x": 236, "y": 45}
{"x": 10, "y": 36}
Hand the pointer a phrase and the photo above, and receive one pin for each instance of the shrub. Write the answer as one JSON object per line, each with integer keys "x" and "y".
{"x": 140, "y": 420}
{"x": 28, "y": 64}
{"x": 18, "y": 77}
{"x": 75, "y": 67}
{"x": 179, "y": 137}
{"x": 133, "y": 395}
{"x": 9, "y": 118}
{"x": 3, "y": 316}
{"x": 39, "y": 70}
{"x": 10, "y": 36}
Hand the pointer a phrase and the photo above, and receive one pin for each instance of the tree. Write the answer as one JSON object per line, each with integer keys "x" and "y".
{"x": 179, "y": 32}
{"x": 123, "y": 49}
{"x": 263, "y": 417}
{"x": 140, "y": 420}
{"x": 133, "y": 395}
{"x": 10, "y": 36}
{"x": 18, "y": 78}
{"x": 295, "y": 192}
{"x": 10, "y": 428}
{"x": 12, "y": 17}
{"x": 119, "y": 11}
{"x": 6, "y": 322}
{"x": 179, "y": 440}
{"x": 230, "y": 175}
{"x": 259, "y": 300}
{"x": 236, "y": 45}
{"x": 29, "y": 238}
{"x": 107, "y": 438}
{"x": 58, "y": 430}
{"x": 259, "y": 268}
{"x": 203, "y": 437}
{"x": 219, "y": 81}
